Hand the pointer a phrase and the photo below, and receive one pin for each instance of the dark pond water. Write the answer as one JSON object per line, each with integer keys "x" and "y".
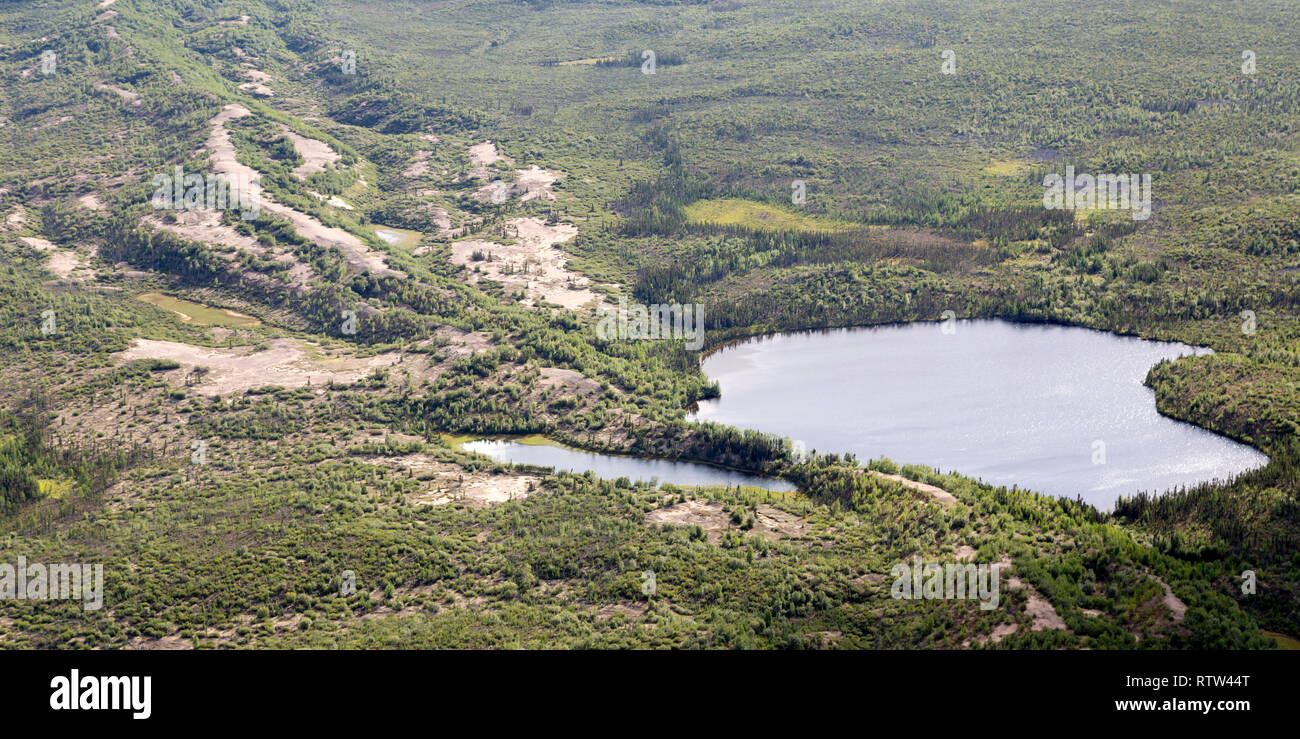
{"x": 1056, "y": 409}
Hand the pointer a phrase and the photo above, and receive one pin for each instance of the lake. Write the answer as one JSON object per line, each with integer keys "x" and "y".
{"x": 612, "y": 467}
{"x": 1056, "y": 409}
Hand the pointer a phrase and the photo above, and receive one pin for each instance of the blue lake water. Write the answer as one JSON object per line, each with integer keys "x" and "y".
{"x": 1057, "y": 409}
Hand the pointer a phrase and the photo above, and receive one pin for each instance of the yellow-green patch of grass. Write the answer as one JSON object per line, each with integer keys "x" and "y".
{"x": 1283, "y": 641}
{"x": 762, "y": 216}
{"x": 199, "y": 315}
{"x": 54, "y": 488}
{"x": 1006, "y": 168}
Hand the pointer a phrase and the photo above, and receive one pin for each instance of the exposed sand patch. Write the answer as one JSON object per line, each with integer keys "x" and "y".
{"x": 769, "y": 522}
{"x": 462, "y": 343}
{"x": 65, "y": 264}
{"x": 489, "y": 490}
{"x": 569, "y": 382}
{"x": 531, "y": 264}
{"x": 170, "y": 642}
{"x": 1177, "y": 609}
{"x": 445, "y": 482}
{"x": 964, "y": 553}
{"x": 939, "y": 494}
{"x": 317, "y": 155}
{"x": 52, "y": 123}
{"x": 535, "y": 183}
{"x": 773, "y": 523}
{"x": 481, "y": 155}
{"x": 286, "y": 363}
{"x": 222, "y": 152}
{"x": 38, "y": 244}
{"x": 206, "y": 226}
{"x": 441, "y": 218}
{"x": 1039, "y": 608}
{"x": 91, "y": 201}
{"x": 105, "y": 4}
{"x": 131, "y": 97}
{"x": 419, "y": 166}
{"x": 1002, "y": 631}
{"x": 107, "y": 15}
{"x": 710, "y": 516}
{"x": 257, "y": 89}
{"x": 631, "y": 609}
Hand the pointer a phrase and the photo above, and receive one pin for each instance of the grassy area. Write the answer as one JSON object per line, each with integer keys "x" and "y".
{"x": 199, "y": 315}
{"x": 759, "y": 216}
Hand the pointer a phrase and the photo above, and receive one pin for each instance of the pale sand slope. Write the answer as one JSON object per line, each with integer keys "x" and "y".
{"x": 538, "y": 268}
{"x": 285, "y": 363}
{"x": 205, "y": 226}
{"x": 222, "y": 151}
{"x": 316, "y": 154}
{"x": 65, "y": 264}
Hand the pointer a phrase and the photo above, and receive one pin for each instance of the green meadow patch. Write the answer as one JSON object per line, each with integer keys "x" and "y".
{"x": 761, "y": 216}
{"x": 199, "y": 315}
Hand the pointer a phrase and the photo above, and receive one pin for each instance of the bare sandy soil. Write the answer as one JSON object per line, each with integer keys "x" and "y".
{"x": 531, "y": 264}
{"x": 1177, "y": 609}
{"x": 444, "y": 482}
{"x": 127, "y": 95}
{"x": 569, "y": 382}
{"x": 462, "y": 343}
{"x": 222, "y": 151}
{"x": 939, "y": 494}
{"x": 1039, "y": 608}
{"x": 317, "y": 155}
{"x": 770, "y": 522}
{"x": 91, "y": 201}
{"x": 535, "y": 183}
{"x": 481, "y": 155}
{"x": 286, "y": 363}
{"x": 774, "y": 523}
{"x": 707, "y": 515}
{"x": 419, "y": 166}
{"x": 206, "y": 226}
{"x": 65, "y": 264}
{"x": 258, "y": 89}
{"x": 631, "y": 609}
